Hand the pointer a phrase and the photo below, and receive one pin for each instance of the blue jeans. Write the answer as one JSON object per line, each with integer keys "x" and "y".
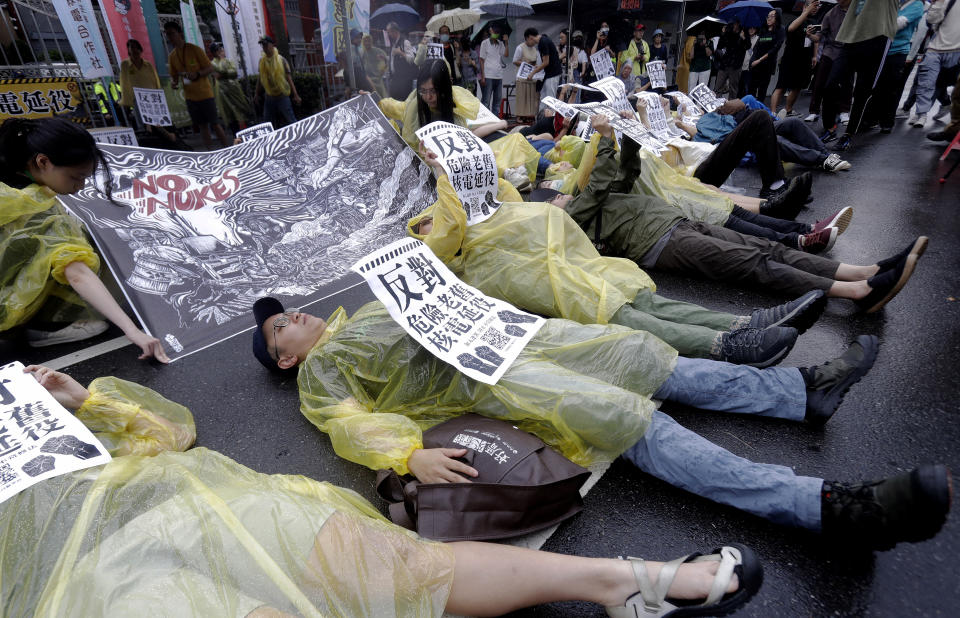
{"x": 543, "y": 146}
{"x": 491, "y": 92}
{"x": 684, "y": 459}
{"x": 933, "y": 63}
{"x": 278, "y": 111}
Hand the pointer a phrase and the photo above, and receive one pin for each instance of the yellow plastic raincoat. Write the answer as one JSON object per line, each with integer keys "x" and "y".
{"x": 197, "y": 534}
{"x": 570, "y": 149}
{"x": 130, "y": 419}
{"x": 583, "y": 389}
{"x": 404, "y": 113}
{"x": 532, "y": 255}
{"x": 38, "y": 240}
{"x": 515, "y": 150}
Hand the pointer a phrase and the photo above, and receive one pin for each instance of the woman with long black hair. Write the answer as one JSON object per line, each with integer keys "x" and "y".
{"x": 763, "y": 63}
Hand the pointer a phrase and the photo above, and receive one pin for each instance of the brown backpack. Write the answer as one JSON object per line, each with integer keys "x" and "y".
{"x": 523, "y": 485}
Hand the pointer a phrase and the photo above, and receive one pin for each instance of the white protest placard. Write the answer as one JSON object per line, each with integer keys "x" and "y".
{"x": 689, "y": 110}
{"x": 585, "y": 130}
{"x": 657, "y": 72}
{"x": 39, "y": 439}
{"x": 479, "y": 335}
{"x": 80, "y": 25}
{"x": 564, "y": 109}
{"x": 706, "y": 98}
{"x": 657, "y": 117}
{"x": 612, "y": 88}
{"x": 435, "y": 50}
{"x": 635, "y": 130}
{"x": 469, "y": 164}
{"x": 525, "y": 70}
{"x": 602, "y": 64}
{"x": 152, "y": 106}
{"x": 257, "y": 130}
{"x": 121, "y": 136}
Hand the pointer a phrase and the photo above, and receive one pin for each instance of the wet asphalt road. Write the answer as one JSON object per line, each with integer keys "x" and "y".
{"x": 902, "y": 414}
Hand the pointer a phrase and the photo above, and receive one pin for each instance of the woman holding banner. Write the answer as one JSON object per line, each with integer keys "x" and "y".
{"x": 50, "y": 269}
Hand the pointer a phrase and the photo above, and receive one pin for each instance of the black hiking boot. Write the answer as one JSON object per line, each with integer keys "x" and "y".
{"x": 829, "y": 382}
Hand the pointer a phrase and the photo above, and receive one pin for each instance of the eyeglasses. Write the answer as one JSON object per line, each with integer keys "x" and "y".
{"x": 424, "y": 92}
{"x": 280, "y": 322}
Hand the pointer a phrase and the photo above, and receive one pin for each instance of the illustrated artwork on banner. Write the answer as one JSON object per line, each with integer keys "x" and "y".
{"x": 120, "y": 136}
{"x": 706, "y": 98}
{"x": 203, "y": 235}
{"x": 435, "y": 50}
{"x": 612, "y": 88}
{"x": 479, "y": 335}
{"x": 40, "y": 98}
{"x": 257, "y": 130}
{"x": 657, "y": 117}
{"x": 657, "y": 72}
{"x": 564, "y": 109}
{"x": 80, "y": 25}
{"x": 152, "y": 106}
{"x": 525, "y": 70}
{"x": 39, "y": 439}
{"x": 602, "y": 64}
{"x": 470, "y": 167}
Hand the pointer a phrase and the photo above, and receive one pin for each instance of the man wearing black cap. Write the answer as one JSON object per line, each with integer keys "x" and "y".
{"x": 373, "y": 389}
{"x": 276, "y": 80}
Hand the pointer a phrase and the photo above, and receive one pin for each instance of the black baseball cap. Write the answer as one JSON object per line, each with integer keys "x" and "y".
{"x": 263, "y": 309}
{"x": 542, "y": 195}
{"x": 266, "y": 39}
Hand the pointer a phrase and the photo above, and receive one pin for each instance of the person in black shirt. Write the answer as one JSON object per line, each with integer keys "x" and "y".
{"x": 764, "y": 59}
{"x": 549, "y": 63}
{"x": 729, "y": 59}
{"x": 797, "y": 61}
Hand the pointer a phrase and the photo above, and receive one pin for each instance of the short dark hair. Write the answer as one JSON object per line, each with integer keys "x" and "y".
{"x": 172, "y": 25}
{"x": 393, "y": 26}
{"x": 542, "y": 195}
{"x": 530, "y": 32}
{"x": 134, "y": 44}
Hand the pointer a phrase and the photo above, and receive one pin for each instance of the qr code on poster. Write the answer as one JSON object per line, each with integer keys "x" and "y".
{"x": 495, "y": 338}
{"x": 7, "y": 474}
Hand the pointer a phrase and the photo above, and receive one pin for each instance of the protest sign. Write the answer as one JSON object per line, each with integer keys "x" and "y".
{"x": 602, "y": 64}
{"x": 152, "y": 106}
{"x": 39, "y": 439}
{"x": 705, "y": 98}
{"x": 657, "y": 117}
{"x": 612, "y": 88}
{"x": 635, "y": 130}
{"x": 525, "y": 70}
{"x": 657, "y": 72}
{"x": 564, "y": 109}
{"x": 249, "y": 24}
{"x": 205, "y": 234}
{"x": 257, "y": 130}
{"x": 80, "y": 25}
{"x": 121, "y": 136}
{"x": 40, "y": 98}
{"x": 435, "y": 50}
{"x": 689, "y": 109}
{"x": 479, "y": 335}
{"x": 469, "y": 164}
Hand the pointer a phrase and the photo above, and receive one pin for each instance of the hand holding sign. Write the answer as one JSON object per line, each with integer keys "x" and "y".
{"x": 525, "y": 70}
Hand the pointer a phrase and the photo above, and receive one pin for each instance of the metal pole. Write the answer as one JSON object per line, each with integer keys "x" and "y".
{"x": 56, "y": 40}
{"x": 569, "y": 39}
{"x": 13, "y": 37}
{"x": 36, "y": 25}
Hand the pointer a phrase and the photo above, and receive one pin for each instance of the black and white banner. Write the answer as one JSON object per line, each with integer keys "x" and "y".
{"x": 613, "y": 89}
{"x": 469, "y": 164}
{"x": 201, "y": 236}
{"x": 706, "y": 98}
{"x": 657, "y": 72}
{"x": 479, "y": 335}
{"x": 564, "y": 109}
{"x": 602, "y": 64}
{"x": 657, "y": 117}
{"x": 39, "y": 439}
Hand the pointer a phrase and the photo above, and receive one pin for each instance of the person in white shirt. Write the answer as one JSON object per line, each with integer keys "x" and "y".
{"x": 492, "y": 54}
{"x": 943, "y": 53}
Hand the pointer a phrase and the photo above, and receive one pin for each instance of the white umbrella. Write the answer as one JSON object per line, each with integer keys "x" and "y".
{"x": 455, "y": 19}
{"x": 507, "y": 8}
{"x": 715, "y": 20}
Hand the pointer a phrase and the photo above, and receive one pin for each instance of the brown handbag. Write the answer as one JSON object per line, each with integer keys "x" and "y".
{"x": 523, "y": 485}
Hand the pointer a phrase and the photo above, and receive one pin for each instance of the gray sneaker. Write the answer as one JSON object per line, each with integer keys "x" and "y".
{"x": 757, "y": 347}
{"x": 834, "y": 163}
{"x": 799, "y": 314}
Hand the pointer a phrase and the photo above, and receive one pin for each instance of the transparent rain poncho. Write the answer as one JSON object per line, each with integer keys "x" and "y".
{"x": 197, "y": 534}
{"x": 515, "y": 150}
{"x": 532, "y": 255}
{"x": 404, "y": 113}
{"x": 38, "y": 240}
{"x": 569, "y": 148}
{"x": 583, "y": 389}
{"x": 133, "y": 420}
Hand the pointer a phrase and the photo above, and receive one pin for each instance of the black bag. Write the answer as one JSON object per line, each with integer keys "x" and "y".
{"x": 523, "y": 485}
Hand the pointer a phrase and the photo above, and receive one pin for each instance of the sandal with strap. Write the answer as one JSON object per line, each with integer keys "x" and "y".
{"x": 651, "y": 599}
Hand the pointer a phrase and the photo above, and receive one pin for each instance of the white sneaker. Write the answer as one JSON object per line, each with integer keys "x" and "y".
{"x": 917, "y": 120}
{"x": 517, "y": 176}
{"x": 834, "y": 163}
{"x": 811, "y": 118}
{"x": 782, "y": 113}
{"x": 844, "y": 118}
{"x": 78, "y": 331}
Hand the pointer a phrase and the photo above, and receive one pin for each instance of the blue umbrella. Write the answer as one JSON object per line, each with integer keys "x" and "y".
{"x": 507, "y": 8}
{"x": 406, "y": 17}
{"x": 751, "y": 13}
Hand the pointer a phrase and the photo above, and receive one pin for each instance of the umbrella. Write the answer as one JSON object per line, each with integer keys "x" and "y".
{"x": 507, "y": 8}
{"x": 455, "y": 19}
{"x": 751, "y": 13}
{"x": 405, "y": 16}
{"x": 501, "y": 22}
{"x": 706, "y": 23}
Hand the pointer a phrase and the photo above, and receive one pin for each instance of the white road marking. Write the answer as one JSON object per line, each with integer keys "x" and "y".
{"x": 87, "y": 353}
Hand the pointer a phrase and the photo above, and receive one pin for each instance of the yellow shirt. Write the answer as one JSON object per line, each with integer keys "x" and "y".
{"x": 131, "y": 77}
{"x": 191, "y": 59}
